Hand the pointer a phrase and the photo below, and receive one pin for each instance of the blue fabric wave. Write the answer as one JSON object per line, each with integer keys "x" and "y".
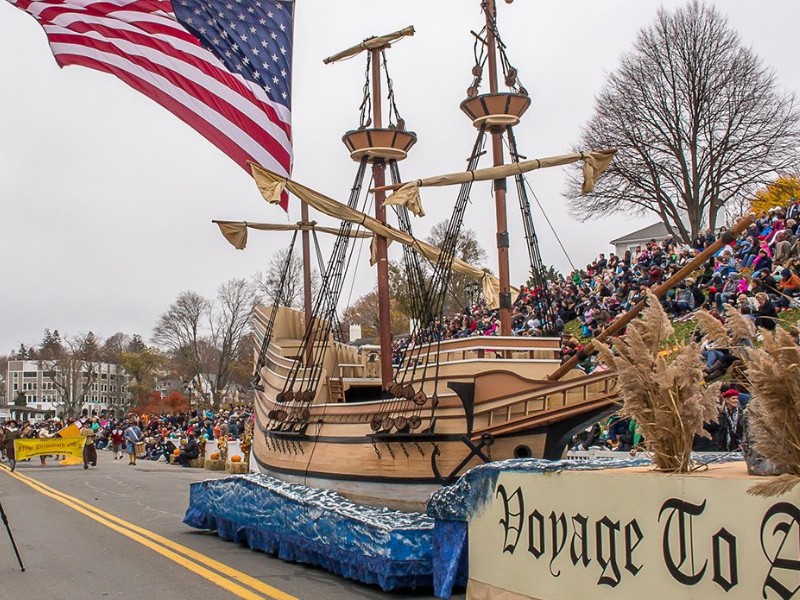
{"x": 318, "y": 527}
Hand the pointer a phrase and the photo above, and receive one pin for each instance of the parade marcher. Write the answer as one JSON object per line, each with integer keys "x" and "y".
{"x": 44, "y": 434}
{"x": 117, "y": 441}
{"x": 133, "y": 435}
{"x": 89, "y": 449}
{"x": 12, "y": 433}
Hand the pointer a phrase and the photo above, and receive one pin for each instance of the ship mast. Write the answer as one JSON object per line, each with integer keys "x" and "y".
{"x": 499, "y": 184}
{"x": 378, "y": 144}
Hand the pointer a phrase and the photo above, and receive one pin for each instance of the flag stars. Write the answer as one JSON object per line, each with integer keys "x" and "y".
{"x": 283, "y": 50}
{"x": 283, "y": 73}
{"x": 274, "y": 58}
{"x": 253, "y": 30}
{"x": 275, "y": 80}
{"x": 282, "y": 27}
{"x": 270, "y": 14}
{"x": 264, "y": 43}
{"x": 251, "y": 10}
{"x": 273, "y": 35}
{"x": 285, "y": 95}
{"x": 242, "y": 17}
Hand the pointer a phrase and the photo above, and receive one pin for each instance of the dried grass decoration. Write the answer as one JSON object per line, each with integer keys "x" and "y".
{"x": 774, "y": 410}
{"x": 662, "y": 388}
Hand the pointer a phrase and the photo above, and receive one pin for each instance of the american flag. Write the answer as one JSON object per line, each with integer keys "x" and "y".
{"x": 221, "y": 66}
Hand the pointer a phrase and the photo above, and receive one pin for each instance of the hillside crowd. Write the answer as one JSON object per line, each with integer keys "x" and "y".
{"x": 758, "y": 273}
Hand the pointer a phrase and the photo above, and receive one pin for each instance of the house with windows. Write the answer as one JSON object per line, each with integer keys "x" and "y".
{"x": 656, "y": 232}
{"x": 31, "y": 386}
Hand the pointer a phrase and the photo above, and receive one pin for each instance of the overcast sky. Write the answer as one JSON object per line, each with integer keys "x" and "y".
{"x": 108, "y": 199}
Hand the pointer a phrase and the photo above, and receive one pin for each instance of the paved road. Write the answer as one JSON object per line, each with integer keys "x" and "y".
{"x": 111, "y": 532}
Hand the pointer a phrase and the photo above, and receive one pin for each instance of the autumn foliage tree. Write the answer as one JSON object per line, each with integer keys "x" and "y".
{"x": 778, "y": 193}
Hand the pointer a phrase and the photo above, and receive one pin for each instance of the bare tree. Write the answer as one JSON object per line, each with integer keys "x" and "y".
{"x": 205, "y": 339}
{"x": 180, "y": 331}
{"x": 230, "y": 327}
{"x": 72, "y": 366}
{"x": 269, "y": 282}
{"x": 699, "y": 122}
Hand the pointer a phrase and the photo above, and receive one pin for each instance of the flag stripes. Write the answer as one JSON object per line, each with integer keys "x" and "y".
{"x": 143, "y": 43}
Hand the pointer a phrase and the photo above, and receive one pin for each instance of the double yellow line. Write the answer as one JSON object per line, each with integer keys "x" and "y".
{"x": 237, "y": 583}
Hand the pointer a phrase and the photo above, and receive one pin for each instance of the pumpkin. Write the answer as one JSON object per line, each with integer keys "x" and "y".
{"x": 236, "y": 458}
{"x": 214, "y": 455}
{"x": 176, "y": 452}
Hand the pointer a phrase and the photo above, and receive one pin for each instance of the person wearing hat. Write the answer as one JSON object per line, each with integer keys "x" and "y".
{"x": 89, "y": 448}
{"x": 789, "y": 287}
{"x": 12, "y": 433}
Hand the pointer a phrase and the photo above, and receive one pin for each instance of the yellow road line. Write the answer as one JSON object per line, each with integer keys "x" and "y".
{"x": 162, "y": 545}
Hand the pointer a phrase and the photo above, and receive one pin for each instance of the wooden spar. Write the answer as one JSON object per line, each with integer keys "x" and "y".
{"x": 499, "y": 184}
{"x": 306, "y": 278}
{"x": 371, "y": 44}
{"x": 659, "y": 291}
{"x": 381, "y": 256}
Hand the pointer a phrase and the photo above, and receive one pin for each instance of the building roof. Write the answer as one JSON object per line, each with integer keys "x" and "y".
{"x": 656, "y": 231}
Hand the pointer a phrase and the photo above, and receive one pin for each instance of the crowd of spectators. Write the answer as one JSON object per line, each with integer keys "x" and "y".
{"x": 758, "y": 273}
{"x": 161, "y": 435}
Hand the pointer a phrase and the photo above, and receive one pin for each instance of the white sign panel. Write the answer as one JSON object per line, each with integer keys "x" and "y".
{"x": 593, "y": 534}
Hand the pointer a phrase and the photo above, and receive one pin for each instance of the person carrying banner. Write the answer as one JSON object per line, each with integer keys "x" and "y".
{"x": 12, "y": 433}
{"x": 44, "y": 434}
{"x": 133, "y": 435}
{"x": 89, "y": 449}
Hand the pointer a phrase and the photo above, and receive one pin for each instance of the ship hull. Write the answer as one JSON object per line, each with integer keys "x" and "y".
{"x": 491, "y": 401}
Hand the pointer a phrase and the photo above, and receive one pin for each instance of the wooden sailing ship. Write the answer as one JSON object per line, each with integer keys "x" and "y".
{"x": 390, "y": 432}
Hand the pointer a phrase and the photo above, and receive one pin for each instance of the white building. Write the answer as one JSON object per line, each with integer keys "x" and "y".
{"x": 656, "y": 232}
{"x": 108, "y": 393}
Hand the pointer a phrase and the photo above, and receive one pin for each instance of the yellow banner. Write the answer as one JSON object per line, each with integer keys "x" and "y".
{"x": 25, "y": 448}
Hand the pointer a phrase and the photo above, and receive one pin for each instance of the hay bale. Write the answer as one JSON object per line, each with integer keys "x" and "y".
{"x": 237, "y": 468}
{"x": 215, "y": 465}
{"x": 197, "y": 463}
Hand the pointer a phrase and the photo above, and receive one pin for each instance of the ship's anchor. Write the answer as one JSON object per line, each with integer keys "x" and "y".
{"x": 487, "y": 439}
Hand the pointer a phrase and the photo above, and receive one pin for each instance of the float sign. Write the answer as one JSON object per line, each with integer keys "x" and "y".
{"x": 623, "y": 534}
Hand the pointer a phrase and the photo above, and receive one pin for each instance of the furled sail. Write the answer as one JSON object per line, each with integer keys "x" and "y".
{"x": 594, "y": 163}
{"x": 236, "y": 231}
{"x": 271, "y": 185}
{"x": 372, "y": 43}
